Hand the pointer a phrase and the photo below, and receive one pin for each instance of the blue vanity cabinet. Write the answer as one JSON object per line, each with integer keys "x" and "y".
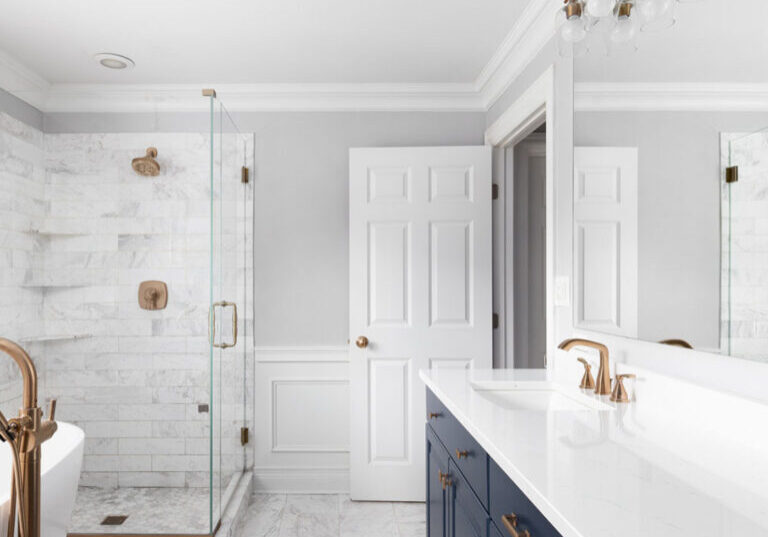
{"x": 466, "y": 515}
{"x": 478, "y": 499}
{"x": 507, "y": 499}
{"x": 464, "y": 450}
{"x": 437, "y": 468}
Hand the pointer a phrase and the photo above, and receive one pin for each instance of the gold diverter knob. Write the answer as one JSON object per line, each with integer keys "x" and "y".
{"x": 361, "y": 342}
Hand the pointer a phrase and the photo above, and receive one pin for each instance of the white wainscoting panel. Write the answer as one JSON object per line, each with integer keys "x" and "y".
{"x": 310, "y": 415}
{"x": 301, "y": 426}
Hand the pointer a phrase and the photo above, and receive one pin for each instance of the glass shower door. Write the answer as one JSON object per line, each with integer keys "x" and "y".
{"x": 229, "y": 155}
{"x": 745, "y": 246}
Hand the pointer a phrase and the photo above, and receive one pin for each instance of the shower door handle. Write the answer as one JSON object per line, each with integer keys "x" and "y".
{"x": 212, "y": 324}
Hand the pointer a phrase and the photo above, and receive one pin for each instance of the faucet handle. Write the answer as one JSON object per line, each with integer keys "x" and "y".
{"x": 619, "y": 394}
{"x": 51, "y": 409}
{"x": 587, "y": 381}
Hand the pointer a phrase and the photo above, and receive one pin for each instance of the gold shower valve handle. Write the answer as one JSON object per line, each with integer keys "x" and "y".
{"x": 619, "y": 394}
{"x": 361, "y": 342}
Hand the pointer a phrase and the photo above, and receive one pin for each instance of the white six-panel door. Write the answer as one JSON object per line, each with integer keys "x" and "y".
{"x": 420, "y": 291}
{"x": 605, "y": 239}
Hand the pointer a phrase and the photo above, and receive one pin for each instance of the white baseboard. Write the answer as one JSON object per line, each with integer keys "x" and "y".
{"x": 301, "y": 480}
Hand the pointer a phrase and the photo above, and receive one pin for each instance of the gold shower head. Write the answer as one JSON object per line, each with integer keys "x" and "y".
{"x": 147, "y": 165}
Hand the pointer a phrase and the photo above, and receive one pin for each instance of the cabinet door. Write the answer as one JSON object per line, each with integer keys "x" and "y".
{"x": 507, "y": 499}
{"x": 437, "y": 467}
{"x": 466, "y": 515}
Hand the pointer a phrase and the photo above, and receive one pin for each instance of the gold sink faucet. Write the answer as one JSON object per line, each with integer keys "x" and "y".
{"x": 25, "y": 435}
{"x": 603, "y": 386}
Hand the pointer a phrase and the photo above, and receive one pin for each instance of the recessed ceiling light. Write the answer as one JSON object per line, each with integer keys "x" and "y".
{"x": 114, "y": 61}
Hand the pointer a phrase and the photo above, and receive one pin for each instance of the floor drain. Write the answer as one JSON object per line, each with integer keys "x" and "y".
{"x": 114, "y": 520}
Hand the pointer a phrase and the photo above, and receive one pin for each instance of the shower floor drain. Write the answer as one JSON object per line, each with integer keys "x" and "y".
{"x": 114, "y": 520}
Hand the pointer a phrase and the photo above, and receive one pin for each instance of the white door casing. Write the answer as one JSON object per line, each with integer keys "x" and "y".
{"x": 605, "y": 239}
{"x": 420, "y": 291}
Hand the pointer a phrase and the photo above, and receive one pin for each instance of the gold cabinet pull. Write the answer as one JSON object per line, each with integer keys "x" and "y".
{"x": 433, "y": 415}
{"x": 510, "y": 523}
{"x": 212, "y": 324}
{"x": 445, "y": 479}
{"x": 461, "y": 454}
{"x": 361, "y": 342}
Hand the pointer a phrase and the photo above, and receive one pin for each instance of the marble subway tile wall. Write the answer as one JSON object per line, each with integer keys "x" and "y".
{"x": 135, "y": 380}
{"x": 744, "y": 330}
{"x": 22, "y": 183}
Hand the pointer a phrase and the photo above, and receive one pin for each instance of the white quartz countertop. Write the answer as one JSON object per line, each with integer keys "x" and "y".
{"x": 594, "y": 473}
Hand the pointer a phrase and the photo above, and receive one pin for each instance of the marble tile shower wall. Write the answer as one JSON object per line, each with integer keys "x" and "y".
{"x": 133, "y": 379}
{"x": 745, "y": 258}
{"x": 22, "y": 207}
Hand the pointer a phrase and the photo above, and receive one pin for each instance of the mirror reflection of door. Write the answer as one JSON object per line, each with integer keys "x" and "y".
{"x": 605, "y": 239}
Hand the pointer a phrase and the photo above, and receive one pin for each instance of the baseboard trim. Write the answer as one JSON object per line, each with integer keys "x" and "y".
{"x": 301, "y": 480}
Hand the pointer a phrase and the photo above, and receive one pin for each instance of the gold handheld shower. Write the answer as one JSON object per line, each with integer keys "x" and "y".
{"x": 147, "y": 165}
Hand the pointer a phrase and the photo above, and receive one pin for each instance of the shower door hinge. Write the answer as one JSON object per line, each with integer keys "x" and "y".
{"x": 731, "y": 174}
{"x": 495, "y": 321}
{"x": 243, "y": 435}
{"x": 494, "y": 191}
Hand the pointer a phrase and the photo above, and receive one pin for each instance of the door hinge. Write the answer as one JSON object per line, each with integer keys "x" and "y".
{"x": 495, "y": 321}
{"x": 244, "y": 174}
{"x": 731, "y": 174}
{"x": 243, "y": 435}
{"x": 494, "y": 191}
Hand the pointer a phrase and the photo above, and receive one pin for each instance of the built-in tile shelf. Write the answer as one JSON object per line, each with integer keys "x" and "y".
{"x": 53, "y": 232}
{"x": 42, "y": 285}
{"x": 43, "y": 339}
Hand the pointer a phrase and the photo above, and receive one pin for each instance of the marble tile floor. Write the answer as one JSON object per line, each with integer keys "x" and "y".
{"x": 149, "y": 510}
{"x": 329, "y": 515}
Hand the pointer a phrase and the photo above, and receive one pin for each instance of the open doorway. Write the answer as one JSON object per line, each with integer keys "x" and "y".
{"x": 525, "y": 178}
{"x": 524, "y": 157}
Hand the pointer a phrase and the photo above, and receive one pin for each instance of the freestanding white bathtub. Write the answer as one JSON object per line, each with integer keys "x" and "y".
{"x": 61, "y": 461}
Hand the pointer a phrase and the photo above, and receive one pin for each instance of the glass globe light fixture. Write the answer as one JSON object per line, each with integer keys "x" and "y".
{"x": 574, "y": 28}
{"x": 656, "y": 14}
{"x": 600, "y": 8}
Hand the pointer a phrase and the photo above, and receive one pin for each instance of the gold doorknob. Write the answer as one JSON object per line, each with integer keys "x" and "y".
{"x": 361, "y": 342}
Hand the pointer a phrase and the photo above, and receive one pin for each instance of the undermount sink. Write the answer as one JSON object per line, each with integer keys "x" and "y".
{"x": 537, "y": 396}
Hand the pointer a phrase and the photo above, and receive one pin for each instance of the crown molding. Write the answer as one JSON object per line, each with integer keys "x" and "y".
{"x": 19, "y": 80}
{"x": 531, "y": 32}
{"x": 659, "y": 97}
{"x": 262, "y": 97}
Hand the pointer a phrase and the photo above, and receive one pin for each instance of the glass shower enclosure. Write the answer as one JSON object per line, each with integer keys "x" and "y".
{"x": 161, "y": 391}
{"x": 744, "y": 326}
{"x": 231, "y": 161}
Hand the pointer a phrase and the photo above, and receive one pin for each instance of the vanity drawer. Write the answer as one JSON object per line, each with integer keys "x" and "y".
{"x": 506, "y": 499}
{"x": 468, "y": 518}
{"x": 465, "y": 452}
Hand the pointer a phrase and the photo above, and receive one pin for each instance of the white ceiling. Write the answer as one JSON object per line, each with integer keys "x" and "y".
{"x": 258, "y": 41}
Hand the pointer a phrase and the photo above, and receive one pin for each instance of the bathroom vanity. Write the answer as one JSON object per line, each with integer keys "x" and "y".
{"x": 510, "y": 453}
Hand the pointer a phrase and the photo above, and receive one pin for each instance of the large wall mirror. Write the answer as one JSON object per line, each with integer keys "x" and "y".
{"x": 670, "y": 216}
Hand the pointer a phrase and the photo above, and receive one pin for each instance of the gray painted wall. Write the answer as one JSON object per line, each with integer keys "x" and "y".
{"x": 18, "y": 109}
{"x": 301, "y": 196}
{"x": 679, "y": 213}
